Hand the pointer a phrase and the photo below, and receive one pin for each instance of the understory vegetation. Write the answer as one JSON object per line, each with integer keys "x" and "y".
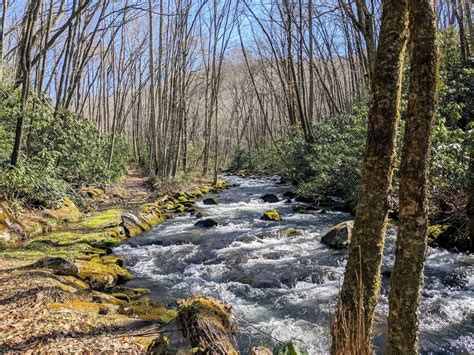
{"x": 330, "y": 166}
{"x": 62, "y": 151}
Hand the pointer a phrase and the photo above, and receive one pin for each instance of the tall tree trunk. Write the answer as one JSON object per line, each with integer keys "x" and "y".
{"x": 407, "y": 274}
{"x": 24, "y": 72}
{"x": 359, "y": 294}
{"x": 3, "y": 19}
{"x": 470, "y": 202}
{"x": 153, "y": 159}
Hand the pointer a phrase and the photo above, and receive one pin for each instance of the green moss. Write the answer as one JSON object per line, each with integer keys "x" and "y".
{"x": 105, "y": 239}
{"x": 435, "y": 231}
{"x": 180, "y": 209}
{"x": 101, "y": 276}
{"x": 112, "y": 217}
{"x": 271, "y": 215}
{"x": 291, "y": 232}
{"x": 168, "y": 206}
{"x": 150, "y": 311}
{"x": 81, "y": 306}
{"x": 36, "y": 251}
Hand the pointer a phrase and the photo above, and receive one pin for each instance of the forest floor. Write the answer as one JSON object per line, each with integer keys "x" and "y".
{"x": 43, "y": 310}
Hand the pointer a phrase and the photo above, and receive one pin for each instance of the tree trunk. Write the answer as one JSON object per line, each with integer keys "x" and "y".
{"x": 23, "y": 74}
{"x": 361, "y": 285}
{"x": 407, "y": 274}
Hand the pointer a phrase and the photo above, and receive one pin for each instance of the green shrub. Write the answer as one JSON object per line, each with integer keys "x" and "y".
{"x": 60, "y": 150}
{"x": 34, "y": 181}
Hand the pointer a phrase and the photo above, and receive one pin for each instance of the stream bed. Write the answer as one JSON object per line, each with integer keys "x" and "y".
{"x": 288, "y": 286}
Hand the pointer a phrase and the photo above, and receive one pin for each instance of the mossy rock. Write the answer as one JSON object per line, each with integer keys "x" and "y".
{"x": 112, "y": 259}
{"x": 58, "y": 265}
{"x": 196, "y": 193}
{"x": 168, "y": 206}
{"x": 272, "y": 215}
{"x": 67, "y": 213}
{"x": 105, "y": 239}
{"x": 134, "y": 225}
{"x": 101, "y": 276}
{"x": 153, "y": 218}
{"x": 149, "y": 311}
{"x": 92, "y": 192}
{"x": 81, "y": 306}
{"x": 108, "y": 218}
{"x": 304, "y": 208}
{"x": 339, "y": 236}
{"x": 180, "y": 209}
{"x": 129, "y": 293}
{"x": 78, "y": 284}
{"x": 291, "y": 232}
{"x": 183, "y": 199}
{"x": 448, "y": 237}
{"x": 220, "y": 184}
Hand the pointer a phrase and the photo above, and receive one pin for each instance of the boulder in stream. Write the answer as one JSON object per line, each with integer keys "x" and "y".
{"x": 210, "y": 201}
{"x": 207, "y": 223}
{"x": 270, "y": 198}
{"x": 271, "y": 215}
{"x": 339, "y": 236}
{"x": 289, "y": 194}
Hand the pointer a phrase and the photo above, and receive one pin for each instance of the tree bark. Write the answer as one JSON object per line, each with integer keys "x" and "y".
{"x": 407, "y": 274}
{"x": 24, "y": 72}
{"x": 359, "y": 294}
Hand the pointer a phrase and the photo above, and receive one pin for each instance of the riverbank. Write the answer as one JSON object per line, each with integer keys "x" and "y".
{"x": 61, "y": 282}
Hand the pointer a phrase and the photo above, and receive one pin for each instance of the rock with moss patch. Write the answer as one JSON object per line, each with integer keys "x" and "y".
{"x": 101, "y": 276}
{"x": 270, "y": 198}
{"x": 133, "y": 224}
{"x": 59, "y": 266}
{"x": 304, "y": 208}
{"x": 81, "y": 306}
{"x": 291, "y": 232}
{"x": 149, "y": 311}
{"x": 339, "y": 236}
{"x": 108, "y": 218}
{"x": 448, "y": 237}
{"x": 271, "y": 215}
{"x": 207, "y": 223}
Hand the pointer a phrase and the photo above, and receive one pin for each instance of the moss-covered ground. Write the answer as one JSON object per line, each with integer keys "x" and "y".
{"x": 61, "y": 285}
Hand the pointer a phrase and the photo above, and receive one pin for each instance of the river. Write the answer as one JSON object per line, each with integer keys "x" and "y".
{"x": 288, "y": 286}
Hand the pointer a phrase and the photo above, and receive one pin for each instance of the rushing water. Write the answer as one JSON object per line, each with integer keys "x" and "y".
{"x": 288, "y": 286}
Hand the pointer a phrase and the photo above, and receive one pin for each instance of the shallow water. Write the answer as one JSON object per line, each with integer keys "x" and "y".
{"x": 287, "y": 286}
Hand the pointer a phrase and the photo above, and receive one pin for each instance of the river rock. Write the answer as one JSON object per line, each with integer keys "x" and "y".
{"x": 210, "y": 201}
{"x": 207, "y": 223}
{"x": 133, "y": 224}
{"x": 270, "y": 198}
{"x": 291, "y": 232}
{"x": 339, "y": 236}
{"x": 260, "y": 350}
{"x": 271, "y": 215}
{"x": 289, "y": 194}
{"x": 304, "y": 208}
{"x": 59, "y": 266}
